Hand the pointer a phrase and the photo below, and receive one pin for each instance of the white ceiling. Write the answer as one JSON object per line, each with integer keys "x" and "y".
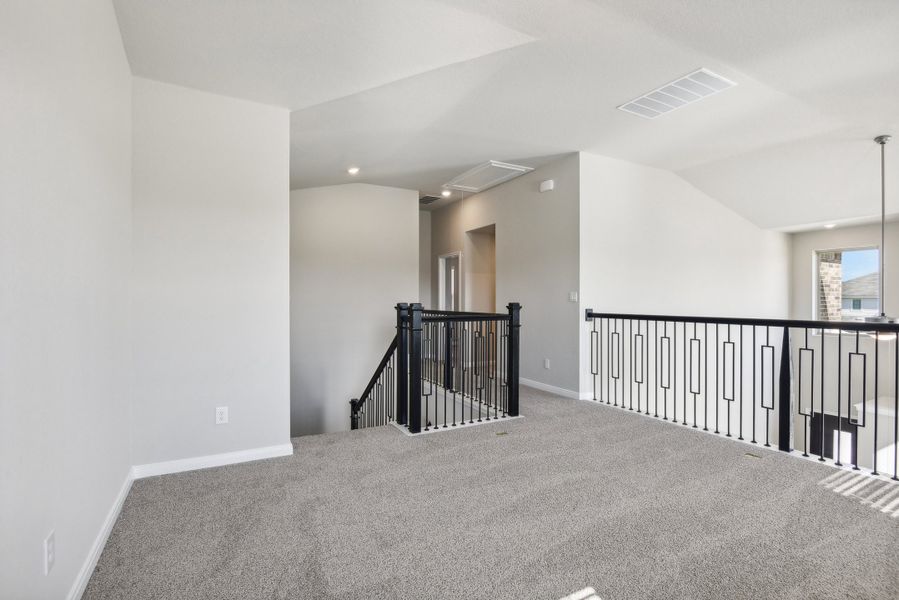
{"x": 417, "y": 91}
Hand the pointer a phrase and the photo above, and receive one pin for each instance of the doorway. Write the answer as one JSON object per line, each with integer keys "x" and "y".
{"x": 480, "y": 269}
{"x": 449, "y": 277}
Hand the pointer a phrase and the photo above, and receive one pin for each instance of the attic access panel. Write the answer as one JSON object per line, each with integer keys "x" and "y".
{"x": 485, "y": 176}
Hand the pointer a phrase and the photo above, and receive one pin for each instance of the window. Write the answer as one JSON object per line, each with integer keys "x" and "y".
{"x": 847, "y": 285}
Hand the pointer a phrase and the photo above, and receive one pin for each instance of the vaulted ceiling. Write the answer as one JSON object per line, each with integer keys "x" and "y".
{"x": 416, "y": 91}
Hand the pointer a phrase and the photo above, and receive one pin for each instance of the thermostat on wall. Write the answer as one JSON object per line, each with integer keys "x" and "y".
{"x": 547, "y": 186}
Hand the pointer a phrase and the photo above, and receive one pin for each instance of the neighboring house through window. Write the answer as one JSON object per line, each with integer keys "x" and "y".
{"x": 847, "y": 284}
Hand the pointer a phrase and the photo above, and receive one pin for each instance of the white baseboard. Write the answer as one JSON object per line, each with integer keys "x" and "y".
{"x": 212, "y": 460}
{"x": 555, "y": 390}
{"x": 87, "y": 569}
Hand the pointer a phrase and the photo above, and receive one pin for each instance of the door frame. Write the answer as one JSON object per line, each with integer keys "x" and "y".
{"x": 441, "y": 280}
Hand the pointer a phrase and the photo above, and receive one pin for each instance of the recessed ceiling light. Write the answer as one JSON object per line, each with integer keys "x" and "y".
{"x": 699, "y": 84}
{"x": 353, "y": 170}
{"x": 446, "y": 193}
{"x": 830, "y": 226}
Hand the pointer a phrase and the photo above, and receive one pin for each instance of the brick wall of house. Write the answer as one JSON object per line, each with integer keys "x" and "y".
{"x": 830, "y": 285}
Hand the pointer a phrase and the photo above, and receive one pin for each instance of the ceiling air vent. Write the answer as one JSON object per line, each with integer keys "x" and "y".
{"x": 486, "y": 176}
{"x": 425, "y": 200}
{"x": 681, "y": 92}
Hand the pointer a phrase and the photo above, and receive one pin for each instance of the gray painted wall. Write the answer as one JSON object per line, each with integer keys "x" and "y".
{"x": 353, "y": 256}
{"x": 424, "y": 258}
{"x": 65, "y": 258}
{"x": 211, "y": 274}
{"x": 536, "y": 261}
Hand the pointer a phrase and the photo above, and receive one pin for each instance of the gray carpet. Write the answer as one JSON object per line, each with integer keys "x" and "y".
{"x": 573, "y": 495}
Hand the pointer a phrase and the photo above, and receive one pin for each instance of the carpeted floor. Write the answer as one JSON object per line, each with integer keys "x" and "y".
{"x": 573, "y": 495}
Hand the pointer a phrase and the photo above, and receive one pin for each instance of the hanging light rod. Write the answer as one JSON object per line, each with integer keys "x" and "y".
{"x": 882, "y": 318}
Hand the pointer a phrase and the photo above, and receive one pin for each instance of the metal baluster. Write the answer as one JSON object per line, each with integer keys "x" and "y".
{"x": 821, "y": 455}
{"x": 435, "y": 368}
{"x": 674, "y": 384}
{"x": 719, "y": 368}
{"x": 480, "y": 366}
{"x": 732, "y": 381}
{"x": 705, "y": 375}
{"x": 849, "y": 411}
{"x": 806, "y": 429}
{"x": 611, "y": 394}
{"x": 876, "y": 398}
{"x": 655, "y": 347}
{"x": 695, "y": 393}
{"x": 753, "y": 385}
{"x": 684, "y": 365}
{"x": 668, "y": 373}
{"x": 896, "y": 410}
{"x": 424, "y": 370}
{"x": 839, "y": 454}
{"x": 495, "y": 326}
{"x": 740, "y": 436}
{"x": 630, "y": 361}
{"x": 593, "y": 356}
{"x": 646, "y": 364}
{"x": 767, "y": 411}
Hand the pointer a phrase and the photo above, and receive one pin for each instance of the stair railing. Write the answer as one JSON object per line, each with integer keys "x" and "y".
{"x": 451, "y": 368}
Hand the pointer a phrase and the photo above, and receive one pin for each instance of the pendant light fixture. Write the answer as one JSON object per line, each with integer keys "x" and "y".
{"x": 882, "y": 317}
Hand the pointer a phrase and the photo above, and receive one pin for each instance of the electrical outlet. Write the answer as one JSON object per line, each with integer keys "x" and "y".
{"x": 572, "y": 296}
{"x": 221, "y": 415}
{"x": 49, "y": 552}
{"x": 545, "y": 363}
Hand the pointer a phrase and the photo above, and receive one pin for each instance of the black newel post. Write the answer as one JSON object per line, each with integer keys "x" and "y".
{"x": 785, "y": 409}
{"x": 402, "y": 363}
{"x": 354, "y": 414}
{"x": 512, "y": 367}
{"x": 414, "y": 322}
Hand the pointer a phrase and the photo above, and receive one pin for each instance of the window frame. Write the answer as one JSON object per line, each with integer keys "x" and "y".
{"x": 862, "y": 313}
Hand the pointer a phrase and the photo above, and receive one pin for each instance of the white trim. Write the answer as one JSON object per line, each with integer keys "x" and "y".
{"x": 441, "y": 280}
{"x": 90, "y": 562}
{"x": 545, "y": 387}
{"x": 212, "y": 460}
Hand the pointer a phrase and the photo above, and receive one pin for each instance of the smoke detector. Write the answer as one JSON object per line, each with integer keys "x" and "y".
{"x": 677, "y": 94}
{"x": 485, "y": 176}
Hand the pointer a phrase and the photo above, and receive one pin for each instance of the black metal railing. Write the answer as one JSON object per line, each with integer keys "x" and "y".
{"x": 829, "y": 388}
{"x": 451, "y": 368}
{"x": 377, "y": 403}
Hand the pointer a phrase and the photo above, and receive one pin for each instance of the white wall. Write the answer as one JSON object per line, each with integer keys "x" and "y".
{"x": 651, "y": 243}
{"x": 536, "y": 262}
{"x": 65, "y": 236}
{"x": 353, "y": 257}
{"x": 424, "y": 258}
{"x": 211, "y": 273}
{"x": 805, "y": 244}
